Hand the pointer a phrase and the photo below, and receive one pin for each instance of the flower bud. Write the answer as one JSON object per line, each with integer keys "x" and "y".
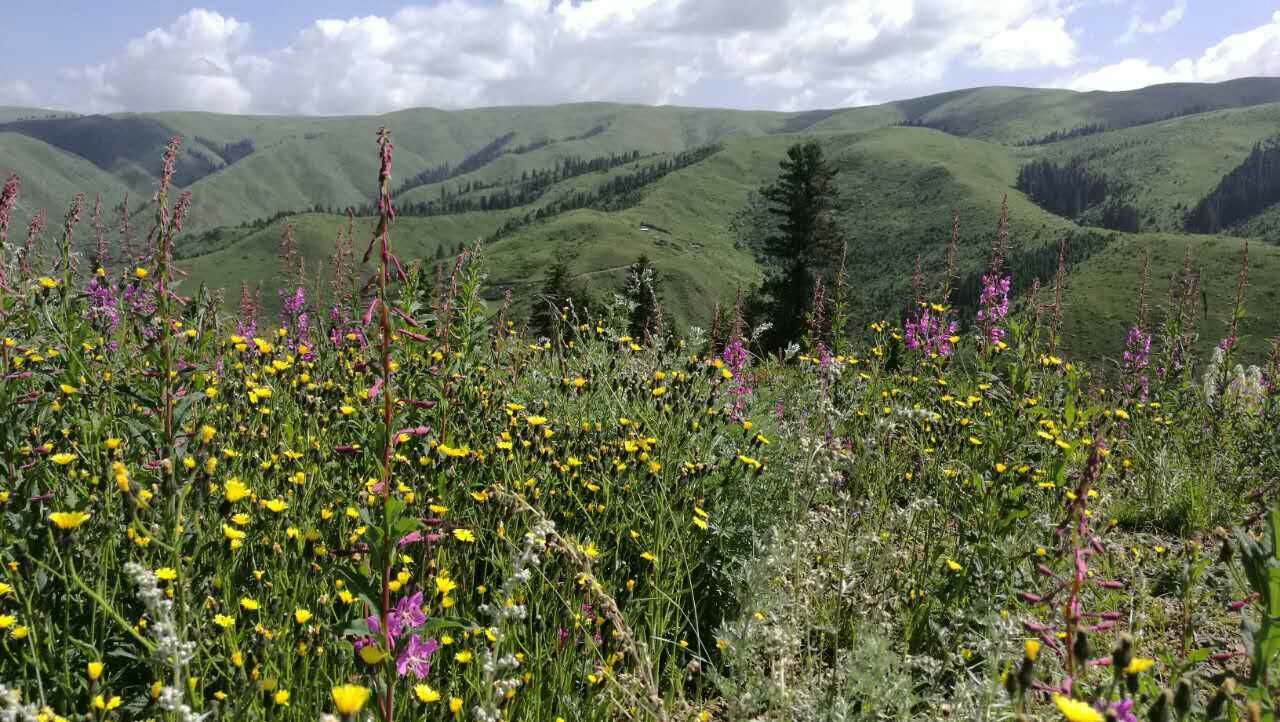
{"x": 1218, "y": 704}
{"x": 1159, "y": 711}
{"x": 1123, "y": 654}
{"x": 1080, "y": 650}
{"x": 1182, "y": 698}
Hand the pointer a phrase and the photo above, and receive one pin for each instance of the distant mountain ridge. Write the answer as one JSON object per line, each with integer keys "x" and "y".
{"x": 585, "y": 179}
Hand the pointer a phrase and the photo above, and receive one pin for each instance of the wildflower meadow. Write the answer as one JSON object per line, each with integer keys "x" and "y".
{"x": 392, "y": 501}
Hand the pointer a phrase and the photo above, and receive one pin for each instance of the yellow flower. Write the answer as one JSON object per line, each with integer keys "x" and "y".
{"x": 167, "y": 574}
{"x": 249, "y": 604}
{"x": 953, "y": 565}
{"x": 67, "y": 520}
{"x": 101, "y": 703}
{"x": 1139, "y": 665}
{"x": 1075, "y": 710}
{"x": 62, "y": 459}
{"x": 301, "y": 616}
{"x": 281, "y": 697}
{"x": 455, "y": 704}
{"x": 46, "y": 282}
{"x": 207, "y": 433}
{"x": 426, "y": 694}
{"x": 224, "y": 621}
{"x": 140, "y": 272}
{"x": 463, "y": 657}
{"x": 464, "y": 535}
{"x": 347, "y": 411}
{"x": 235, "y": 490}
{"x": 1031, "y": 648}
{"x": 95, "y": 671}
{"x": 444, "y": 585}
{"x": 536, "y": 420}
{"x": 275, "y": 505}
{"x": 7, "y": 620}
{"x": 349, "y": 698}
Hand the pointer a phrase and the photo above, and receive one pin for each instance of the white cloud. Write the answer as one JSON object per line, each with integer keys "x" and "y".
{"x": 1250, "y": 53}
{"x": 1037, "y": 43}
{"x": 460, "y": 53}
{"x": 190, "y": 64}
{"x": 1164, "y": 23}
{"x": 18, "y": 92}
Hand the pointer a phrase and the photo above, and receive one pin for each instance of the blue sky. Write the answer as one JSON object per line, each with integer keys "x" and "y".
{"x": 329, "y": 57}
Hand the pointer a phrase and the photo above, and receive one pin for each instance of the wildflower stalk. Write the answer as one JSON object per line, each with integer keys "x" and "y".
{"x": 382, "y": 235}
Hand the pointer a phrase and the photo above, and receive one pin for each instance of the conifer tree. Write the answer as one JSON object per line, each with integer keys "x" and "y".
{"x": 804, "y": 239}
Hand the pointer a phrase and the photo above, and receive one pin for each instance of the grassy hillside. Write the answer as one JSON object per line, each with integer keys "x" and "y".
{"x": 51, "y": 178}
{"x": 1169, "y": 166}
{"x": 1008, "y": 115}
{"x": 898, "y": 185}
{"x": 1102, "y": 296}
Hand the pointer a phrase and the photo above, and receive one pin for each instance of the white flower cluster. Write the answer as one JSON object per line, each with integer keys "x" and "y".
{"x": 170, "y": 647}
{"x": 1238, "y": 389}
{"x": 170, "y": 700}
{"x": 493, "y": 665}
{"x": 12, "y": 709}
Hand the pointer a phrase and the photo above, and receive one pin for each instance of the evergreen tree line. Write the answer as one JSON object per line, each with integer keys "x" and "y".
{"x": 1242, "y": 193}
{"x": 620, "y": 191}
{"x": 591, "y": 132}
{"x": 1066, "y": 190}
{"x": 229, "y": 152}
{"x": 530, "y": 146}
{"x": 529, "y": 188}
{"x": 1058, "y": 135}
{"x": 1071, "y": 190}
{"x": 445, "y": 171}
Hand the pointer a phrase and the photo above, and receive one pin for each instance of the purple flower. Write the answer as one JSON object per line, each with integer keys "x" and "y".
{"x": 102, "y": 306}
{"x": 735, "y": 359}
{"x": 1134, "y": 360}
{"x": 407, "y": 614}
{"x": 416, "y": 657}
{"x": 993, "y": 306}
{"x": 1123, "y": 710}
{"x": 930, "y": 334}
{"x": 8, "y": 197}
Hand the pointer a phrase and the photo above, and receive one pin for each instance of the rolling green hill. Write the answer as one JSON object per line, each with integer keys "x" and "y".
{"x": 1166, "y": 146}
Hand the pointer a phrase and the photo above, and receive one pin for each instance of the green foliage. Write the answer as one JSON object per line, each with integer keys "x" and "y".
{"x": 803, "y": 239}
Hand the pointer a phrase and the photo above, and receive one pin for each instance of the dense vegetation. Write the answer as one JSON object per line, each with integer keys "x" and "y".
{"x": 401, "y": 503}
{"x": 1067, "y": 190}
{"x": 1245, "y": 192}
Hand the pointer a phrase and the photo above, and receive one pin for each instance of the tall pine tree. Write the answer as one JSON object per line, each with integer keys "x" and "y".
{"x": 804, "y": 240}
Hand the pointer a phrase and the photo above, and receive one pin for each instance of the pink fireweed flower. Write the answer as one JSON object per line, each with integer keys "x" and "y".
{"x": 407, "y": 614}
{"x": 8, "y": 197}
{"x": 1134, "y": 361}
{"x": 993, "y": 306}
{"x": 736, "y": 359}
{"x": 416, "y": 657}
{"x": 930, "y": 333}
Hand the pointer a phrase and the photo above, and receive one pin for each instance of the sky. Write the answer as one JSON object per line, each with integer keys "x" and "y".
{"x": 323, "y": 57}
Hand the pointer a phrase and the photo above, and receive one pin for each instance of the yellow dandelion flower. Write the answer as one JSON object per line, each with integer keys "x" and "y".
{"x": 67, "y": 520}
{"x": 349, "y": 698}
{"x": 1075, "y": 710}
